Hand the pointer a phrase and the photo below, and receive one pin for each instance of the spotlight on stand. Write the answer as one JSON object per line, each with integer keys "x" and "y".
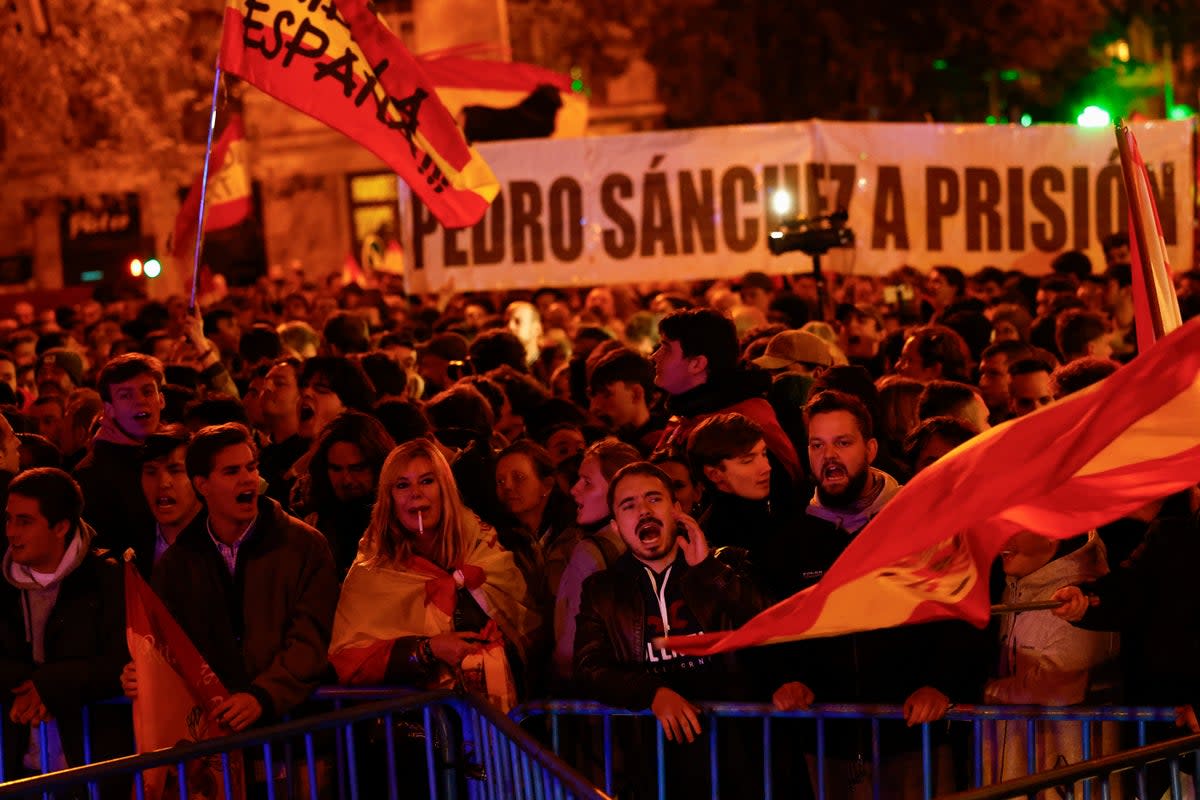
{"x": 814, "y": 236}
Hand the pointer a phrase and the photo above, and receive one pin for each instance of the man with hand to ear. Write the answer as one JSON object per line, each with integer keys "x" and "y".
{"x": 668, "y": 583}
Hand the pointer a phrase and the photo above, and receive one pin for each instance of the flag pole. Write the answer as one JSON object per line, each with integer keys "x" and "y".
{"x": 212, "y": 124}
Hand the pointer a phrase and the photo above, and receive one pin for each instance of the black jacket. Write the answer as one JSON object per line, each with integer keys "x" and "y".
{"x": 113, "y": 503}
{"x": 880, "y": 666}
{"x": 265, "y": 629}
{"x": 610, "y": 629}
{"x": 1155, "y": 606}
{"x": 85, "y": 652}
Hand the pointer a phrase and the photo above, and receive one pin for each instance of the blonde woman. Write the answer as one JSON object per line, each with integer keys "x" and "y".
{"x": 432, "y": 598}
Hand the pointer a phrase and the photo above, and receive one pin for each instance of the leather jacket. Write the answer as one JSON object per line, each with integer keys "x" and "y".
{"x": 610, "y": 629}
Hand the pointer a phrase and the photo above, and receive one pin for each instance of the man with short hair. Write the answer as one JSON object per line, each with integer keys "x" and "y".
{"x": 84, "y": 407}
{"x": 1081, "y": 334}
{"x": 994, "y": 377}
{"x": 1029, "y": 386}
{"x": 165, "y": 484}
{"x": 1080, "y": 374}
{"x": 910, "y": 665}
{"x": 62, "y": 631}
{"x": 620, "y": 387}
{"x": 110, "y": 474}
{"x": 953, "y": 399}
{"x": 668, "y": 583}
{"x": 696, "y": 365}
{"x": 756, "y": 290}
{"x": 48, "y": 412}
{"x": 254, "y": 588}
{"x": 328, "y": 386}
{"x": 1118, "y": 302}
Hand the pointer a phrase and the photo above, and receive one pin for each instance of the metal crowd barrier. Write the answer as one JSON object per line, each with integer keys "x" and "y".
{"x": 713, "y": 713}
{"x": 1101, "y": 769}
{"x": 471, "y": 751}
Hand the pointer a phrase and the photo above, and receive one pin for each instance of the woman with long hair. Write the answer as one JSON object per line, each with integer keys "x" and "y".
{"x": 432, "y": 598}
{"x": 541, "y": 512}
{"x": 337, "y": 491}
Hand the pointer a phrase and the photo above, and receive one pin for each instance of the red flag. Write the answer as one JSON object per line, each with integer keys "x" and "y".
{"x": 344, "y": 67}
{"x": 1081, "y": 462}
{"x": 228, "y": 191}
{"x": 1155, "y": 305}
{"x": 177, "y": 692}
{"x": 500, "y": 84}
{"x": 352, "y": 272}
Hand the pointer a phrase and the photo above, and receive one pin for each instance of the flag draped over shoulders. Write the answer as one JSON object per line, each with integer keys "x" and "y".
{"x": 340, "y": 64}
{"x": 381, "y": 603}
{"x": 1078, "y": 463}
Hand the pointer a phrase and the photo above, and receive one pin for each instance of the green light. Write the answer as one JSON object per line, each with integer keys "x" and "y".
{"x": 1009, "y": 75}
{"x": 152, "y": 268}
{"x": 576, "y": 85}
{"x": 1094, "y": 117}
{"x": 1026, "y": 120}
{"x": 940, "y": 64}
{"x": 991, "y": 120}
{"x": 1180, "y": 112}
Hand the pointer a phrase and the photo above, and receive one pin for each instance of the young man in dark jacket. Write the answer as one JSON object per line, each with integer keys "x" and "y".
{"x": 669, "y": 583}
{"x": 110, "y": 474}
{"x": 62, "y": 632}
{"x": 922, "y": 667}
{"x": 254, "y": 588}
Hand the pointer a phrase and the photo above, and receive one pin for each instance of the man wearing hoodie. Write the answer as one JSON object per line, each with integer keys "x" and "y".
{"x": 62, "y": 630}
{"x": 110, "y": 474}
{"x": 923, "y": 667}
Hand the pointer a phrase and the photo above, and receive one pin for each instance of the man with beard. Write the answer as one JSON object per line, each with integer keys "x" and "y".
{"x": 620, "y": 387}
{"x": 919, "y": 666}
{"x": 110, "y": 474}
{"x": 165, "y": 484}
{"x": 338, "y": 492}
{"x": 668, "y": 583}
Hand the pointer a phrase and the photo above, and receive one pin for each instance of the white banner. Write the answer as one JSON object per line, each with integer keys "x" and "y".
{"x": 697, "y": 203}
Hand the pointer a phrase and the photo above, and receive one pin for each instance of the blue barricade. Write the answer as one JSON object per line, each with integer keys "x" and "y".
{"x": 466, "y": 749}
{"x": 974, "y": 721}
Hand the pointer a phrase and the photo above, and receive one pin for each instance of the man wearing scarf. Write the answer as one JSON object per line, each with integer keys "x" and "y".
{"x": 922, "y": 667}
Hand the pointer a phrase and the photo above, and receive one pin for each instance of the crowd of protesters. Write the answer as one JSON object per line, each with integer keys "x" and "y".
{"x": 519, "y": 492}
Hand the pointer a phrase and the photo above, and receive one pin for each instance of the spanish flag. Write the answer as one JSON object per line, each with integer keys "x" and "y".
{"x": 228, "y": 191}
{"x": 339, "y": 63}
{"x": 1084, "y": 461}
{"x": 1155, "y": 305}
{"x": 177, "y": 692}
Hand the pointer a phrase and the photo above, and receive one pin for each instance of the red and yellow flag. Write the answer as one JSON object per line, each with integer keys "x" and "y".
{"x": 340, "y": 64}
{"x": 1084, "y": 461}
{"x": 1155, "y": 305}
{"x": 464, "y": 81}
{"x": 228, "y": 191}
{"x": 177, "y": 692}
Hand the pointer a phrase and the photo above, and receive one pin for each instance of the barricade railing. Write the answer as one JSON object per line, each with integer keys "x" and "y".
{"x": 976, "y": 717}
{"x": 473, "y": 751}
{"x": 1174, "y": 754}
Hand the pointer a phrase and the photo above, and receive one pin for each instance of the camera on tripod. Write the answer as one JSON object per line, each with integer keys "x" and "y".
{"x": 814, "y": 236}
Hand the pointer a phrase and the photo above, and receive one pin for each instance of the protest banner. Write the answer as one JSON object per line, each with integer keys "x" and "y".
{"x": 698, "y": 203}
